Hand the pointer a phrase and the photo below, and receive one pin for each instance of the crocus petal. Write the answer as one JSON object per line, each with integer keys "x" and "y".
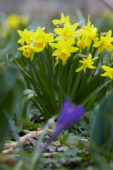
{"x": 69, "y": 114}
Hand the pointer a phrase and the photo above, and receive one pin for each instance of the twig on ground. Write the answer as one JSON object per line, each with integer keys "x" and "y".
{"x": 7, "y": 150}
{"x": 26, "y": 139}
{"x": 23, "y": 140}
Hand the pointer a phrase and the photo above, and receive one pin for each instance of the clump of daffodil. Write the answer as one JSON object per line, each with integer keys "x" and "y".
{"x": 105, "y": 42}
{"x": 62, "y": 20}
{"x": 16, "y": 20}
{"x": 88, "y": 35}
{"x": 108, "y": 72}
{"x": 41, "y": 39}
{"x": 32, "y": 42}
{"x": 63, "y": 49}
{"x": 87, "y": 63}
{"x": 68, "y": 31}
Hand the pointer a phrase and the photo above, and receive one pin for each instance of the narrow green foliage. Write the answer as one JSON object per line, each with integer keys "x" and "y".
{"x": 102, "y": 125}
{"x": 8, "y": 77}
{"x": 52, "y": 85}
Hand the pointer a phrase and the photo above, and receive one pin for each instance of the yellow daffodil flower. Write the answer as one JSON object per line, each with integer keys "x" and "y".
{"x": 41, "y": 39}
{"x": 14, "y": 21}
{"x": 108, "y": 15}
{"x": 63, "y": 50}
{"x": 105, "y": 42}
{"x": 62, "y": 20}
{"x": 87, "y": 63}
{"x": 90, "y": 31}
{"x": 28, "y": 51}
{"x": 108, "y": 72}
{"x": 68, "y": 31}
{"x": 88, "y": 35}
{"x": 25, "y": 37}
{"x": 84, "y": 42}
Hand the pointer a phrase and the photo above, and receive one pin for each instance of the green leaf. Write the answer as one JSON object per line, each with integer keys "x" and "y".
{"x": 102, "y": 125}
{"x": 96, "y": 91}
{"x": 8, "y": 77}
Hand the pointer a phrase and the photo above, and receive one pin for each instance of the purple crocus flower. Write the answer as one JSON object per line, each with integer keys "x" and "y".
{"x": 69, "y": 115}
